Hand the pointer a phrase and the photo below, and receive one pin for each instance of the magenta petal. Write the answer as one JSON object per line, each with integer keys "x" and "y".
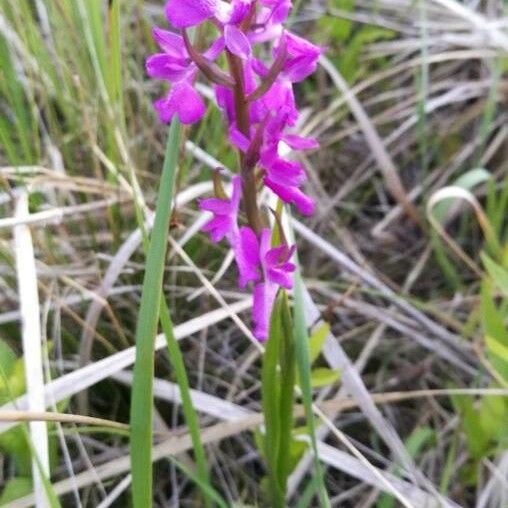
{"x": 171, "y": 43}
{"x": 226, "y": 102}
{"x": 185, "y": 13}
{"x": 292, "y": 195}
{"x": 264, "y": 298}
{"x": 215, "y": 49}
{"x": 165, "y": 109}
{"x": 218, "y": 228}
{"x": 236, "y": 41}
{"x": 298, "y": 46}
{"x": 273, "y": 256}
{"x": 286, "y": 172}
{"x": 280, "y": 96}
{"x": 300, "y": 143}
{"x": 236, "y": 195}
{"x": 265, "y": 243}
{"x": 224, "y": 11}
{"x": 186, "y": 103}
{"x": 299, "y": 68}
{"x": 280, "y": 277}
{"x": 247, "y": 256}
{"x": 240, "y": 10}
{"x": 280, "y": 13}
{"x": 238, "y": 139}
{"x": 215, "y": 205}
{"x": 259, "y": 67}
{"x": 279, "y": 10}
{"x": 163, "y": 66}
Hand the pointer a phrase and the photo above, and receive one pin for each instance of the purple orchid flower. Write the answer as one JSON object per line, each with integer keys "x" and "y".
{"x": 277, "y": 272}
{"x": 283, "y": 177}
{"x": 187, "y": 13}
{"x": 175, "y": 65}
{"x": 225, "y": 220}
{"x": 278, "y": 10}
{"x": 224, "y": 224}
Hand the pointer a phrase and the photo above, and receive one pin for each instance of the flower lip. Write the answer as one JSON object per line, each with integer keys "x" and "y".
{"x": 225, "y": 211}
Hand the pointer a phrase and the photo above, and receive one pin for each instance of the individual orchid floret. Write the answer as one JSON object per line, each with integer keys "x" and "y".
{"x": 187, "y": 13}
{"x": 302, "y": 58}
{"x": 278, "y": 10}
{"x": 299, "y": 59}
{"x": 247, "y": 256}
{"x": 176, "y": 66}
{"x": 277, "y": 272}
{"x": 182, "y": 101}
{"x": 225, "y": 214}
{"x": 282, "y": 176}
{"x": 293, "y": 195}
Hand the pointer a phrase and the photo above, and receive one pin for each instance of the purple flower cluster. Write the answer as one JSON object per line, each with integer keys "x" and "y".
{"x": 257, "y": 99}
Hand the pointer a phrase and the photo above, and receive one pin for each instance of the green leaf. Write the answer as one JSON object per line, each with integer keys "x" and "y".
{"x": 13, "y": 443}
{"x": 304, "y": 377}
{"x": 496, "y": 333}
{"x": 498, "y": 274}
{"x": 16, "y": 488}
{"x": 496, "y": 347}
{"x": 7, "y": 359}
{"x": 317, "y": 340}
{"x": 210, "y": 492}
{"x": 271, "y": 400}
{"x": 323, "y": 376}
{"x": 287, "y": 391}
{"x": 175, "y": 354}
{"x": 476, "y": 439}
{"x": 493, "y": 411}
{"x": 492, "y": 320}
{"x": 146, "y": 330}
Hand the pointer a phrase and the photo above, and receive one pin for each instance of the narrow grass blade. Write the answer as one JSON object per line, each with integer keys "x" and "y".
{"x": 176, "y": 358}
{"x": 114, "y": 80}
{"x": 191, "y": 417}
{"x": 142, "y": 387}
{"x": 304, "y": 370}
{"x": 211, "y": 493}
{"x": 287, "y": 390}
{"x": 271, "y": 391}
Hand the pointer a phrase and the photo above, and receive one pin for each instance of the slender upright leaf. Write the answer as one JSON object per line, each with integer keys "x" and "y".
{"x": 146, "y": 330}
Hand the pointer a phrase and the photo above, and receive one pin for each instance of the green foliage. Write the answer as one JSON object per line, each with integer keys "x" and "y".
{"x": 320, "y": 376}
{"x": 278, "y": 381}
{"x": 12, "y": 385}
{"x": 15, "y": 488}
{"x": 15, "y": 442}
{"x": 16, "y": 129}
{"x": 495, "y": 330}
{"x": 304, "y": 378}
{"x": 351, "y": 42}
{"x": 482, "y": 420}
{"x": 282, "y": 445}
{"x": 152, "y": 299}
{"x": 485, "y": 434}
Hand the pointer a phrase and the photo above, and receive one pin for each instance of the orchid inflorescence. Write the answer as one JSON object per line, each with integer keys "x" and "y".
{"x": 258, "y": 103}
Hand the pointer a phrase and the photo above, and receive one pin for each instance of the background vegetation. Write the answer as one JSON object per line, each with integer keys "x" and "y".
{"x": 405, "y": 263}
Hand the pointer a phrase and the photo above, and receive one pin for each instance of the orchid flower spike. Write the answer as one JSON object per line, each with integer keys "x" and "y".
{"x": 255, "y": 94}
